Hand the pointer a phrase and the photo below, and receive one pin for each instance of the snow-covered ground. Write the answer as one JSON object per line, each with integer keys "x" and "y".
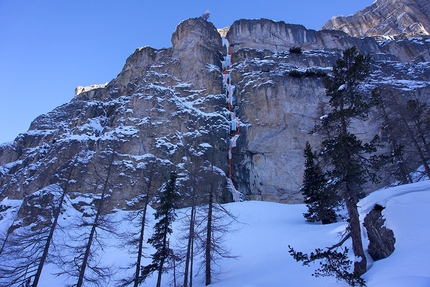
{"x": 264, "y": 230}
{"x": 262, "y": 242}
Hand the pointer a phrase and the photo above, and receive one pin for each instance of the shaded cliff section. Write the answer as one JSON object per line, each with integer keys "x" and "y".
{"x": 163, "y": 112}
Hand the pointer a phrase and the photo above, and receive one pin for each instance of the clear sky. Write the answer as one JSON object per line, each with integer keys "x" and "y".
{"x": 48, "y": 47}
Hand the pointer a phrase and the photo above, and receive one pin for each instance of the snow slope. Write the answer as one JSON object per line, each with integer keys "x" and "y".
{"x": 265, "y": 230}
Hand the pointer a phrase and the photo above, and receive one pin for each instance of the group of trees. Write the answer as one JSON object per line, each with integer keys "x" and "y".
{"x": 32, "y": 240}
{"x": 77, "y": 246}
{"x": 336, "y": 173}
{"x": 405, "y": 128}
{"x": 203, "y": 225}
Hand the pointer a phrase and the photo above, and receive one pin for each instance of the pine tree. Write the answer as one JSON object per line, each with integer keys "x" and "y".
{"x": 349, "y": 161}
{"x": 347, "y": 155}
{"x": 320, "y": 199}
{"x": 165, "y": 214}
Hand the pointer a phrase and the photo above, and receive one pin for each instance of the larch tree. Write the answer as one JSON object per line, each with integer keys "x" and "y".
{"x": 214, "y": 223}
{"x": 149, "y": 181}
{"x": 192, "y": 195}
{"x": 28, "y": 247}
{"x": 396, "y": 160}
{"x": 406, "y": 124}
{"x": 79, "y": 255}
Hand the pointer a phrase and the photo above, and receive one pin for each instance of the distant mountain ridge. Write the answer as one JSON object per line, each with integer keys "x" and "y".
{"x": 386, "y": 18}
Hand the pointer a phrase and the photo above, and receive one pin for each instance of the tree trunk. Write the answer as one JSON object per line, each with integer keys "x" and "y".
{"x": 189, "y": 246}
{"x": 192, "y": 259}
{"x": 163, "y": 257}
{"x": 360, "y": 265}
{"x": 140, "y": 249}
{"x": 49, "y": 239}
{"x": 94, "y": 226}
{"x": 208, "y": 251}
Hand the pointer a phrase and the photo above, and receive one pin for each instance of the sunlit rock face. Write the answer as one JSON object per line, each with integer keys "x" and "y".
{"x": 407, "y": 18}
{"x": 401, "y": 26}
{"x": 279, "y": 36}
{"x": 166, "y": 110}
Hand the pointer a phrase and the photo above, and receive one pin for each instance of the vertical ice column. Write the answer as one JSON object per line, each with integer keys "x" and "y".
{"x": 234, "y": 121}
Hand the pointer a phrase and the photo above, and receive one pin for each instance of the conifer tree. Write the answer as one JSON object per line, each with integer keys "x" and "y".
{"x": 165, "y": 214}
{"x": 346, "y": 154}
{"x": 348, "y": 159}
{"x": 320, "y": 199}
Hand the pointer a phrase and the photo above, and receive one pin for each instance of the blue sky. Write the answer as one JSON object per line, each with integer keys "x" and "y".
{"x": 48, "y": 47}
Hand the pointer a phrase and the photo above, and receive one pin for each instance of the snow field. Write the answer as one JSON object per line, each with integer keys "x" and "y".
{"x": 263, "y": 232}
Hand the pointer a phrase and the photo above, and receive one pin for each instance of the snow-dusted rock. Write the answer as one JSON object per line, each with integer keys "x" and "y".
{"x": 279, "y": 36}
{"x": 407, "y": 18}
{"x": 168, "y": 106}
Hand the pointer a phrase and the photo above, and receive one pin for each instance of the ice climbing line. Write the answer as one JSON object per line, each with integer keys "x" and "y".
{"x": 234, "y": 120}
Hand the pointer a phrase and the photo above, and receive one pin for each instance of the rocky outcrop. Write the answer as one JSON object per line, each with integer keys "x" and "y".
{"x": 193, "y": 39}
{"x": 279, "y": 36}
{"x": 381, "y": 238}
{"x": 401, "y": 27}
{"x": 387, "y": 18}
{"x": 80, "y": 89}
{"x": 413, "y": 50}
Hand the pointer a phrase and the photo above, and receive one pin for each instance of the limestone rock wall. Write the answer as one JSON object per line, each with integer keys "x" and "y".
{"x": 167, "y": 110}
{"x": 279, "y": 36}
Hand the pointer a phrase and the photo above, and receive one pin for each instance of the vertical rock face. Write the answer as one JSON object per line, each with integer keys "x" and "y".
{"x": 167, "y": 110}
{"x": 279, "y": 36}
{"x": 386, "y": 18}
{"x": 280, "y": 97}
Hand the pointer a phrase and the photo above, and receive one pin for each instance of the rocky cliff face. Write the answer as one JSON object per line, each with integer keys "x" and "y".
{"x": 407, "y": 18}
{"x": 393, "y": 23}
{"x": 167, "y": 110}
{"x": 281, "y": 96}
{"x": 279, "y": 36}
{"x": 165, "y": 107}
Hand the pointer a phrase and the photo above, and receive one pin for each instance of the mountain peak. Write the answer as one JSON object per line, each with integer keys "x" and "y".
{"x": 386, "y": 18}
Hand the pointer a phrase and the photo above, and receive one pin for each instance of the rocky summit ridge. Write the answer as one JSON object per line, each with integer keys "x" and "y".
{"x": 386, "y": 18}
{"x": 166, "y": 110}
